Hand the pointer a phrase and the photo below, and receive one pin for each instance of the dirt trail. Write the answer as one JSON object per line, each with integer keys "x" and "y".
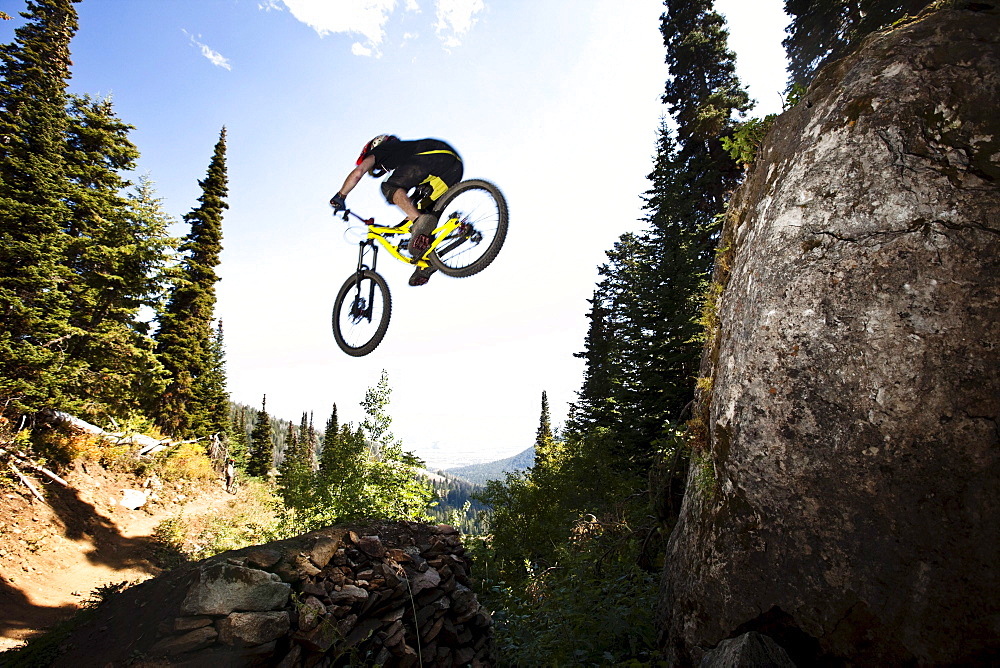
{"x": 53, "y": 555}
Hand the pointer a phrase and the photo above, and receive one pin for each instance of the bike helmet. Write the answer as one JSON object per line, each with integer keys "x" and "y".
{"x": 381, "y": 139}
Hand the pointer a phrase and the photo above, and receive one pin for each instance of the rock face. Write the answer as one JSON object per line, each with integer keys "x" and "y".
{"x": 392, "y": 594}
{"x": 847, "y": 501}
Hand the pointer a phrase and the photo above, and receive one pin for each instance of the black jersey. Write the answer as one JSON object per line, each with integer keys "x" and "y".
{"x": 391, "y": 154}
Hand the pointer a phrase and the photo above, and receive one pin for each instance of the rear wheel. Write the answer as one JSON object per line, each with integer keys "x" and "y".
{"x": 470, "y": 248}
{"x": 361, "y": 313}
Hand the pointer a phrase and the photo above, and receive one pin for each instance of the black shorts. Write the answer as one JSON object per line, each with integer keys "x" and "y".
{"x": 441, "y": 170}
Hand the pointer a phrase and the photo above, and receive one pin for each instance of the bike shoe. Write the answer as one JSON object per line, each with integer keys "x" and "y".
{"x": 421, "y": 276}
{"x": 420, "y": 239}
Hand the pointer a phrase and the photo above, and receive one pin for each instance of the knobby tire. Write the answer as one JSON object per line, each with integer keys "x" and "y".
{"x": 441, "y": 208}
{"x": 342, "y": 322}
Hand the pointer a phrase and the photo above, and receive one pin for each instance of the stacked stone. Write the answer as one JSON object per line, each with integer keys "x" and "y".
{"x": 403, "y": 605}
{"x": 394, "y": 594}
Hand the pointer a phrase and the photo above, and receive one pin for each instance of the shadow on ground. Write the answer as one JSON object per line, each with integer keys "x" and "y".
{"x": 80, "y": 521}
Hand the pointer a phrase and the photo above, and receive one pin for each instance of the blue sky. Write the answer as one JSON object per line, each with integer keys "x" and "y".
{"x": 556, "y": 102}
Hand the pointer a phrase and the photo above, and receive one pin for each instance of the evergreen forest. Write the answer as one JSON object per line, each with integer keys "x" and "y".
{"x": 105, "y": 316}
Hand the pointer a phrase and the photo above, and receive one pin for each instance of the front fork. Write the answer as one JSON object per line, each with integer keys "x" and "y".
{"x": 361, "y": 256}
{"x": 362, "y": 308}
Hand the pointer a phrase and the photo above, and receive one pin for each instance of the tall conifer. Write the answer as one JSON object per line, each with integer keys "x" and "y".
{"x": 306, "y": 453}
{"x": 595, "y": 404}
{"x": 261, "y": 456}
{"x": 291, "y": 455}
{"x": 210, "y": 389}
{"x": 703, "y": 95}
{"x": 327, "y": 460}
{"x": 544, "y": 442}
{"x": 825, "y": 30}
{"x": 184, "y": 337}
{"x": 642, "y": 347}
{"x": 239, "y": 447}
{"x": 34, "y": 215}
{"x": 117, "y": 252}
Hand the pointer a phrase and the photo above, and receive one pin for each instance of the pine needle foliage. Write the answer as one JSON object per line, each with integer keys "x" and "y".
{"x": 824, "y": 31}
{"x": 582, "y": 525}
{"x": 34, "y": 210}
{"x": 184, "y": 338}
{"x": 261, "y": 454}
{"x": 643, "y": 342}
{"x": 545, "y": 443}
{"x": 79, "y": 255}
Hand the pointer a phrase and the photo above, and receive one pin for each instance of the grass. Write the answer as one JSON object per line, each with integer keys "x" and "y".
{"x": 250, "y": 518}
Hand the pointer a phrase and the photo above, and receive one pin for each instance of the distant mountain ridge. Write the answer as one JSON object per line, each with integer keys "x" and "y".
{"x": 478, "y": 474}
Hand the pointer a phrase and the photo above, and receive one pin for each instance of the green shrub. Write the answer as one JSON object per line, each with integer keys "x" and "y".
{"x": 186, "y": 461}
{"x": 742, "y": 145}
{"x": 746, "y": 138}
{"x": 592, "y": 607}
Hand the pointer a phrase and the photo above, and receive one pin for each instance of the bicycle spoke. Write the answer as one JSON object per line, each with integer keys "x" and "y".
{"x": 361, "y": 314}
{"x": 480, "y": 219}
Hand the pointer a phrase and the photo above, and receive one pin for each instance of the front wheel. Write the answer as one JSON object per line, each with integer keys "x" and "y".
{"x": 361, "y": 313}
{"x": 481, "y": 209}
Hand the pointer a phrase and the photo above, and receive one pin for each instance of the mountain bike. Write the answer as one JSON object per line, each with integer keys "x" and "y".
{"x": 471, "y": 228}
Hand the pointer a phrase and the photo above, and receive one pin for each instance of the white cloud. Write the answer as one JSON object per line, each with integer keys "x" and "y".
{"x": 364, "y": 17}
{"x": 455, "y": 18}
{"x": 359, "y": 49}
{"x": 213, "y": 56}
{"x": 368, "y": 18}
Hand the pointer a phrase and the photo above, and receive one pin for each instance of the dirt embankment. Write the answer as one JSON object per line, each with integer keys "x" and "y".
{"x": 53, "y": 555}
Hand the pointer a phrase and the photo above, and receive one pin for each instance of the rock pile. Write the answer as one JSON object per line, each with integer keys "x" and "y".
{"x": 392, "y": 594}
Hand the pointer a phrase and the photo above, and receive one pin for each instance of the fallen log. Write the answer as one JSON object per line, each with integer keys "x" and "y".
{"x": 26, "y": 460}
{"x": 26, "y": 482}
{"x": 147, "y": 444}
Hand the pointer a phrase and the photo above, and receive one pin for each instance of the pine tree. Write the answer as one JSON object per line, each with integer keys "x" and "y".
{"x": 210, "y": 389}
{"x": 595, "y": 404}
{"x": 684, "y": 241}
{"x": 829, "y": 29}
{"x": 238, "y": 445}
{"x": 643, "y": 345}
{"x": 703, "y": 94}
{"x": 261, "y": 446}
{"x": 295, "y": 473}
{"x": 34, "y": 214}
{"x": 307, "y": 435}
{"x": 116, "y": 255}
{"x": 291, "y": 455}
{"x": 692, "y": 179}
{"x": 184, "y": 337}
{"x": 545, "y": 444}
{"x": 327, "y": 461}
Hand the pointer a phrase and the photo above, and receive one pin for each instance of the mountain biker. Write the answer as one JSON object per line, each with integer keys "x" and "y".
{"x": 412, "y": 163}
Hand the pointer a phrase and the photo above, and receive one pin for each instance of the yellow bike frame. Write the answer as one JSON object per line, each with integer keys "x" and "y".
{"x": 440, "y": 233}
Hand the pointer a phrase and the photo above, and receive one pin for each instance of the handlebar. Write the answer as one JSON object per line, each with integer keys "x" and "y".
{"x": 348, "y": 213}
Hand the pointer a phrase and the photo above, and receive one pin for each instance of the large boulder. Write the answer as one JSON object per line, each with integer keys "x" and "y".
{"x": 846, "y": 499}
